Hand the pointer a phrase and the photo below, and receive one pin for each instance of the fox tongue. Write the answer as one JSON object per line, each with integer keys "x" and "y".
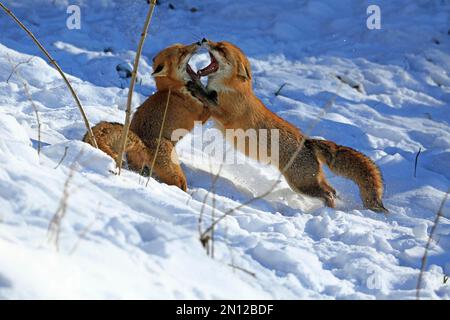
{"x": 211, "y": 68}
{"x": 191, "y": 72}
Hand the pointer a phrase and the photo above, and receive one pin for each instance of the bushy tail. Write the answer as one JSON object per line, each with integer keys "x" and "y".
{"x": 354, "y": 165}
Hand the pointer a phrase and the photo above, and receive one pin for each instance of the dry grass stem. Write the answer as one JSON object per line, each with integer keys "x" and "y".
{"x": 62, "y": 158}
{"x": 415, "y": 161}
{"x": 424, "y": 259}
{"x": 26, "y": 89}
{"x": 126, "y": 126}
{"x": 159, "y": 138}
{"x": 57, "y": 67}
{"x": 54, "y": 227}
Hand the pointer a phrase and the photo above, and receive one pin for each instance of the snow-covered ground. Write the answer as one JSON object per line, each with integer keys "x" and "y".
{"x": 120, "y": 239}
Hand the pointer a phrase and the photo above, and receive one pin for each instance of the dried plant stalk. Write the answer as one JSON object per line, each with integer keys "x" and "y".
{"x": 160, "y": 137}
{"x": 126, "y": 126}
{"x": 54, "y": 227}
{"x": 439, "y": 214}
{"x": 57, "y": 67}
{"x": 26, "y": 89}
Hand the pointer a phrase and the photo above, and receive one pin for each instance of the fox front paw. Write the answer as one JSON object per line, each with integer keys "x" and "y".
{"x": 199, "y": 91}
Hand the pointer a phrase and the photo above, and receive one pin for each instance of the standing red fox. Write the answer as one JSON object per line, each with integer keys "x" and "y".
{"x": 238, "y": 108}
{"x": 171, "y": 72}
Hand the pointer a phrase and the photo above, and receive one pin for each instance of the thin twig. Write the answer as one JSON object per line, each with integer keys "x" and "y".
{"x": 141, "y": 173}
{"x": 327, "y": 106}
{"x": 213, "y": 215}
{"x": 160, "y": 137}
{"x": 243, "y": 270}
{"x": 190, "y": 193}
{"x": 53, "y": 62}
{"x": 205, "y": 240}
{"x": 230, "y": 249}
{"x": 62, "y": 158}
{"x": 279, "y": 89}
{"x": 203, "y": 237}
{"x": 351, "y": 83}
{"x": 16, "y": 67}
{"x": 126, "y": 126}
{"x": 439, "y": 214}
{"x": 415, "y": 161}
{"x": 54, "y": 227}
{"x": 29, "y": 97}
{"x": 27, "y": 92}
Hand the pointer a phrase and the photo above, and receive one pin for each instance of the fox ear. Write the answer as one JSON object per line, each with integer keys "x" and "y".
{"x": 159, "y": 71}
{"x": 244, "y": 72}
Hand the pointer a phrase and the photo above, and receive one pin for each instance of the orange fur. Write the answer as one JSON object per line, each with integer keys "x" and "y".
{"x": 183, "y": 109}
{"x": 239, "y": 108}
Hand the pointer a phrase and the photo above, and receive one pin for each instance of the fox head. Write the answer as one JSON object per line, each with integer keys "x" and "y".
{"x": 229, "y": 66}
{"x": 171, "y": 66}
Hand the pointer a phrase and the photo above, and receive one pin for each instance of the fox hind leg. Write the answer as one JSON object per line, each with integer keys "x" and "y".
{"x": 166, "y": 166}
{"x": 318, "y": 191}
{"x": 307, "y": 177}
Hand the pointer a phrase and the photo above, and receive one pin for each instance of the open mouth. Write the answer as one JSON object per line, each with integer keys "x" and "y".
{"x": 211, "y": 68}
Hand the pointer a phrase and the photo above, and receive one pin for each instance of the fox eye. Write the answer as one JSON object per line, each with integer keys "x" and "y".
{"x": 158, "y": 68}
{"x": 153, "y": 60}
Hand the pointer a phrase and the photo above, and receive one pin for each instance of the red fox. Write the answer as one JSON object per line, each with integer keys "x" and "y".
{"x": 171, "y": 72}
{"x": 108, "y": 135}
{"x": 238, "y": 108}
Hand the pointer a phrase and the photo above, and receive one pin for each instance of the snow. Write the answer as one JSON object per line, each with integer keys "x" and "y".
{"x": 120, "y": 239}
